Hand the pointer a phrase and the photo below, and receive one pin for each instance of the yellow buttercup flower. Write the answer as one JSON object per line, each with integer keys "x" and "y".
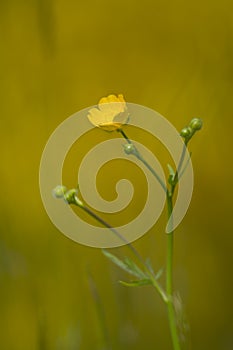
{"x": 111, "y": 113}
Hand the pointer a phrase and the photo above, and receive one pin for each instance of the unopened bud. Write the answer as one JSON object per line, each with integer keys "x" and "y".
{"x": 129, "y": 148}
{"x": 59, "y": 191}
{"x": 196, "y": 124}
{"x": 186, "y": 132}
{"x": 70, "y": 196}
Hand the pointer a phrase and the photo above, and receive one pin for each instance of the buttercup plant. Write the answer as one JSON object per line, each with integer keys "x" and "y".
{"x": 111, "y": 115}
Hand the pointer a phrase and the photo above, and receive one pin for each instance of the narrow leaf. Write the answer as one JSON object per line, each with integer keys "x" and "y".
{"x": 148, "y": 264}
{"x": 133, "y": 267}
{"x": 138, "y": 283}
{"x": 156, "y": 275}
{"x": 119, "y": 263}
{"x": 159, "y": 274}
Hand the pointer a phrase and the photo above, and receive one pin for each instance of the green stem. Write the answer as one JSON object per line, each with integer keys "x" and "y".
{"x": 178, "y": 170}
{"x": 170, "y": 238}
{"x": 124, "y": 135}
{"x": 159, "y": 289}
{"x": 169, "y": 280}
{"x": 140, "y": 157}
{"x": 167, "y": 296}
{"x": 112, "y": 229}
{"x": 130, "y": 246}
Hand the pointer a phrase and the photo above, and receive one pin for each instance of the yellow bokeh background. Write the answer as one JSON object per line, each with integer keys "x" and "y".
{"x": 58, "y": 57}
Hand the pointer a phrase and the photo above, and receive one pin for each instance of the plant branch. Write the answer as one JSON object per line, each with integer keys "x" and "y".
{"x": 137, "y": 154}
{"x": 150, "y": 274}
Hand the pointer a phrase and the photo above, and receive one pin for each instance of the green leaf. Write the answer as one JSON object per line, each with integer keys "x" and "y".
{"x": 131, "y": 268}
{"x": 116, "y": 261}
{"x": 138, "y": 283}
{"x": 159, "y": 274}
{"x": 148, "y": 264}
{"x": 156, "y": 275}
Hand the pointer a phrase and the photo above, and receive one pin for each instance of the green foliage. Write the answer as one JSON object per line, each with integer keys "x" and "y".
{"x": 136, "y": 283}
{"x": 128, "y": 265}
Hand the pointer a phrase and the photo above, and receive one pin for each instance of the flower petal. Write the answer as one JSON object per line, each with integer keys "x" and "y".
{"x": 110, "y": 126}
{"x": 95, "y": 116}
{"x": 111, "y": 113}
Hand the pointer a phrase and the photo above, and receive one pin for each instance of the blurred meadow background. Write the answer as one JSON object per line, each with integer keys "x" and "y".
{"x": 58, "y": 57}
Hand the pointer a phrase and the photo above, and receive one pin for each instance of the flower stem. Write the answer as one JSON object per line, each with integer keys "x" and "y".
{"x": 154, "y": 282}
{"x": 112, "y": 229}
{"x": 169, "y": 281}
{"x": 140, "y": 157}
{"x": 178, "y": 170}
{"x": 152, "y": 171}
{"x": 124, "y": 135}
{"x": 169, "y": 270}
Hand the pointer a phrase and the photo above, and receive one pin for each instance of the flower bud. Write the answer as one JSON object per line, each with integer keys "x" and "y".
{"x": 59, "y": 191}
{"x": 70, "y": 196}
{"x": 186, "y": 132}
{"x": 196, "y": 124}
{"x": 129, "y": 148}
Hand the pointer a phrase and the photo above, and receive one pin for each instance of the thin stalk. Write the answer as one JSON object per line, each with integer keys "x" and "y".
{"x": 159, "y": 289}
{"x": 124, "y": 135}
{"x": 140, "y": 157}
{"x": 181, "y": 158}
{"x": 178, "y": 170}
{"x": 112, "y": 229}
{"x": 170, "y": 239}
{"x": 169, "y": 281}
{"x": 130, "y": 246}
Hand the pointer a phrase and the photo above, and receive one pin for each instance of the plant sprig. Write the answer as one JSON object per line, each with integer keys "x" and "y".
{"x": 145, "y": 274}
